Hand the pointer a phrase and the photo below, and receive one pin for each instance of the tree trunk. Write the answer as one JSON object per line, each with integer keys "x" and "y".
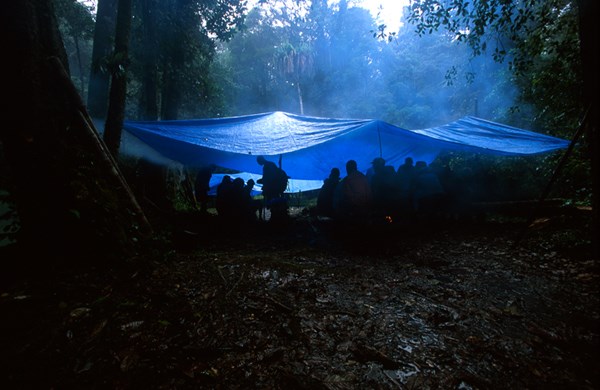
{"x": 588, "y": 34}
{"x": 300, "y": 98}
{"x": 79, "y": 64}
{"x": 69, "y": 203}
{"x": 118, "y": 86}
{"x": 149, "y": 96}
{"x": 171, "y": 93}
{"x": 100, "y": 76}
{"x": 174, "y": 59}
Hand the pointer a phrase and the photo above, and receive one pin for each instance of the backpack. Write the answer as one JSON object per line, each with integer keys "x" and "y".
{"x": 281, "y": 181}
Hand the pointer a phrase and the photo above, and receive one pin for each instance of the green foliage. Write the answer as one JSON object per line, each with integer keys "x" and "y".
{"x": 541, "y": 43}
{"x": 76, "y": 24}
{"x": 539, "y": 39}
{"x": 75, "y": 18}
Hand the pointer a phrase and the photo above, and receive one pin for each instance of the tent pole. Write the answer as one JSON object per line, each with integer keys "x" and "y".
{"x": 379, "y": 137}
{"x": 557, "y": 170}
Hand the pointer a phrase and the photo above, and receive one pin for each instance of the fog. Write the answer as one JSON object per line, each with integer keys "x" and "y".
{"x": 412, "y": 82}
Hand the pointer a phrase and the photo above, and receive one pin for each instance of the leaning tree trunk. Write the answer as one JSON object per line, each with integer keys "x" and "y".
{"x": 71, "y": 199}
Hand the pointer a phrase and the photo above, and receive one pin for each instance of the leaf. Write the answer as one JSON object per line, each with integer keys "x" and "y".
{"x": 132, "y": 325}
{"x": 164, "y": 322}
{"x": 129, "y": 361}
{"x": 79, "y": 312}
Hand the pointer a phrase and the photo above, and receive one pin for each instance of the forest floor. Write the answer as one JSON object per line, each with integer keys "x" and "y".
{"x": 312, "y": 305}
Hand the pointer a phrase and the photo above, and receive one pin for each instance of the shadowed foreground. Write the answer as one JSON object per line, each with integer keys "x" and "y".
{"x": 452, "y": 306}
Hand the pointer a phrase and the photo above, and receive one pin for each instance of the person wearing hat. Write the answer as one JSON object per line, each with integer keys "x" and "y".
{"x": 376, "y": 164}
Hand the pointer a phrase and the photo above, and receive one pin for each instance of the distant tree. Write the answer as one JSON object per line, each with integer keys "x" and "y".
{"x": 188, "y": 31}
{"x": 318, "y": 60}
{"x": 294, "y": 63}
{"x": 77, "y": 25}
{"x": 351, "y": 82}
{"x": 148, "y": 53}
{"x": 249, "y": 59}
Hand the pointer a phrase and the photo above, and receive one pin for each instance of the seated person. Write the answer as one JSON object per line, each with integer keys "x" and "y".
{"x": 428, "y": 193}
{"x": 325, "y": 198}
{"x": 352, "y": 200}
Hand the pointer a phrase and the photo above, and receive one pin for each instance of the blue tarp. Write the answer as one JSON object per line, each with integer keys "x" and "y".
{"x": 309, "y": 146}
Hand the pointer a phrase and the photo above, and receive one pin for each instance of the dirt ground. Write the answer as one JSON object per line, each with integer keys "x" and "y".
{"x": 316, "y": 305}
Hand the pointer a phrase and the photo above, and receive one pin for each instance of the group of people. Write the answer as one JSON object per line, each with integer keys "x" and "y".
{"x": 234, "y": 198}
{"x": 411, "y": 190}
{"x": 414, "y": 189}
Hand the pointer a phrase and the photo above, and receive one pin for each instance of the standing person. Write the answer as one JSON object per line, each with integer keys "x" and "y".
{"x": 268, "y": 179}
{"x": 325, "y": 198}
{"x": 274, "y": 182}
{"x": 202, "y": 186}
{"x": 353, "y": 195}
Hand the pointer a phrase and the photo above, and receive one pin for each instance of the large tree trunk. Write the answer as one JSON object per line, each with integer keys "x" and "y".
{"x": 588, "y": 34}
{"x": 71, "y": 199}
{"x": 103, "y": 47}
{"x": 118, "y": 85}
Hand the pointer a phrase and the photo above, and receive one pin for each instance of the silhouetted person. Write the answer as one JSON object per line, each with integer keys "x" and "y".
{"x": 327, "y": 192}
{"x": 254, "y": 206}
{"x": 249, "y": 187}
{"x": 268, "y": 179}
{"x": 428, "y": 193}
{"x": 152, "y": 185}
{"x": 451, "y": 183}
{"x": 223, "y": 202}
{"x": 383, "y": 188}
{"x": 202, "y": 186}
{"x": 404, "y": 177}
{"x": 274, "y": 182}
{"x": 352, "y": 199}
{"x": 238, "y": 200}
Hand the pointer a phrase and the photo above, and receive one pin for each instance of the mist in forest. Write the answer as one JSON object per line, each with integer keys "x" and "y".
{"x": 412, "y": 82}
{"x": 330, "y": 64}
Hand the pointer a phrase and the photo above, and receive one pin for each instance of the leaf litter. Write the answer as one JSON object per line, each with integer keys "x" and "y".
{"x": 316, "y": 306}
